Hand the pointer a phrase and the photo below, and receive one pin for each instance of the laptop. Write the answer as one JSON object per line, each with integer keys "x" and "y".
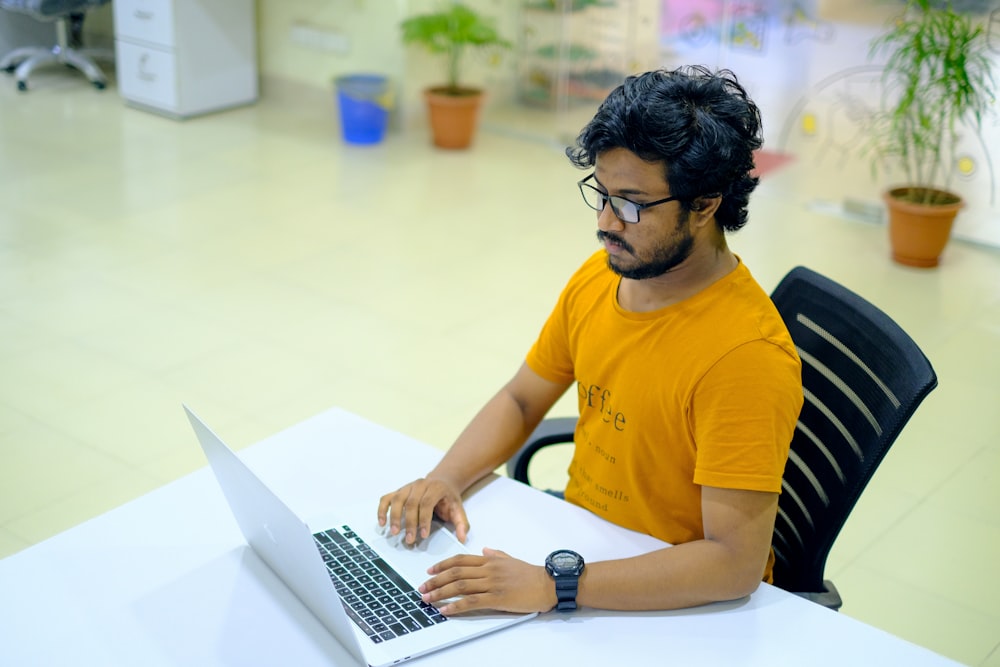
{"x": 355, "y": 578}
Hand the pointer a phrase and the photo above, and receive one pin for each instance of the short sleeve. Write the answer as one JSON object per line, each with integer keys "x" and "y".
{"x": 743, "y": 416}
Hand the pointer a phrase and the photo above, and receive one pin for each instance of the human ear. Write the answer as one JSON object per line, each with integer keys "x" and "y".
{"x": 705, "y": 207}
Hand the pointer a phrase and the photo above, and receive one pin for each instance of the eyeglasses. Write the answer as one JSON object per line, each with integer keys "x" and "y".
{"x": 626, "y": 210}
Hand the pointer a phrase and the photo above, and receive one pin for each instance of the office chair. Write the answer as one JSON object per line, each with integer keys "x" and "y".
{"x": 68, "y": 17}
{"x": 862, "y": 378}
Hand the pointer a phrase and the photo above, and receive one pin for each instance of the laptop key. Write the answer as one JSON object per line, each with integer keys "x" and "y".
{"x": 421, "y": 618}
{"x": 410, "y": 624}
{"x": 392, "y": 574}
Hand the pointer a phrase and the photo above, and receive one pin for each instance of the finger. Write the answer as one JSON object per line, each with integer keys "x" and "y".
{"x": 466, "y": 604}
{"x": 383, "y": 508}
{"x": 425, "y": 513}
{"x": 411, "y": 514}
{"x": 454, "y": 513}
{"x": 396, "y": 507}
{"x": 460, "y": 520}
{"x": 460, "y": 560}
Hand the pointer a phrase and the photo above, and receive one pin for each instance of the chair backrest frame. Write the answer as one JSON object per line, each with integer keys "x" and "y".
{"x": 863, "y": 377}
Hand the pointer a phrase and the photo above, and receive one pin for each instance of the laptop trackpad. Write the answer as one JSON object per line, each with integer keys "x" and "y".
{"x": 413, "y": 560}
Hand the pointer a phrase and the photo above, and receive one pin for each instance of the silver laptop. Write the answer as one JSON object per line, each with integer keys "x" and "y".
{"x": 355, "y": 578}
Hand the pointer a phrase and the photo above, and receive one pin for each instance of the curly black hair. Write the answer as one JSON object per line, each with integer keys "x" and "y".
{"x": 701, "y": 124}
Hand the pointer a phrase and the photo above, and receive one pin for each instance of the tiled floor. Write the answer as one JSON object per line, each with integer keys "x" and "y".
{"x": 252, "y": 265}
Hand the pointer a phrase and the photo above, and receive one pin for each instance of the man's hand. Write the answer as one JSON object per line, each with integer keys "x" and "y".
{"x": 413, "y": 508}
{"x": 491, "y": 581}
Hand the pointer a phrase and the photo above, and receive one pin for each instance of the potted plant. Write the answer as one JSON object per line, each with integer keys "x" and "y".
{"x": 453, "y": 107}
{"x": 938, "y": 86}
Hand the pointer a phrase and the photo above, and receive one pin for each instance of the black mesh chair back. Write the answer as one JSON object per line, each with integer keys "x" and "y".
{"x": 862, "y": 377}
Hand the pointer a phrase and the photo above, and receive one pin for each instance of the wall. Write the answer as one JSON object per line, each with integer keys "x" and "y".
{"x": 360, "y": 36}
{"x": 368, "y": 29}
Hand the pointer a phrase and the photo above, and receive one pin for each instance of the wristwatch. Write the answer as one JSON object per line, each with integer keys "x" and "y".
{"x": 565, "y": 568}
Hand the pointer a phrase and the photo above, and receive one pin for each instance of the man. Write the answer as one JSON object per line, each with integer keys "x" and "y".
{"x": 688, "y": 383}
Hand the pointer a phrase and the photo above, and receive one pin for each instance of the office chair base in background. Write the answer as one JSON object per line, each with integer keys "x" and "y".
{"x": 21, "y": 62}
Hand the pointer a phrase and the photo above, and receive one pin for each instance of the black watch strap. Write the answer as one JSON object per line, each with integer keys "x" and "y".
{"x": 566, "y": 588}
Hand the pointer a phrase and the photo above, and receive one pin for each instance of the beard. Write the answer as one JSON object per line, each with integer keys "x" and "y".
{"x": 665, "y": 257}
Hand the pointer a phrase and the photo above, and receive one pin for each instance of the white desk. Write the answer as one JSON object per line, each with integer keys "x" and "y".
{"x": 167, "y": 580}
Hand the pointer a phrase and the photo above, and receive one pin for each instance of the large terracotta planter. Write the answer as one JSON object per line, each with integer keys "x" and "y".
{"x": 453, "y": 117}
{"x": 918, "y": 233}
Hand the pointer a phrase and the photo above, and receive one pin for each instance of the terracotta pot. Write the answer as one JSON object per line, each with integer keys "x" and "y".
{"x": 453, "y": 117}
{"x": 918, "y": 232}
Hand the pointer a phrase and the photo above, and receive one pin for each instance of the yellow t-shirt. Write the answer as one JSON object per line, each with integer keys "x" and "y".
{"x": 703, "y": 392}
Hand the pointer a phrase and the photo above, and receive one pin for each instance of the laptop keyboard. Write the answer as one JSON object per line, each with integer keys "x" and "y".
{"x": 375, "y": 596}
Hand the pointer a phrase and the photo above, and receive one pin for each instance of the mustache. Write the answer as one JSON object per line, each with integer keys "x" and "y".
{"x": 603, "y": 236}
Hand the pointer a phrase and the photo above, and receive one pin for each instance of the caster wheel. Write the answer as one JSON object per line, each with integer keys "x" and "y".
{"x": 22, "y": 86}
{"x": 10, "y": 69}
{"x": 100, "y": 85}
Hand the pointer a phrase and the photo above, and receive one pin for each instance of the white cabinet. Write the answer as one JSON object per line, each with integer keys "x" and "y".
{"x": 182, "y": 58}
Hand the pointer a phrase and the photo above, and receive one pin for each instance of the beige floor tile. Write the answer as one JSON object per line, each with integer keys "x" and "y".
{"x": 11, "y": 544}
{"x": 41, "y": 382}
{"x": 974, "y": 490}
{"x": 953, "y": 630}
{"x": 879, "y": 509}
{"x": 43, "y": 465}
{"x": 963, "y": 549}
{"x": 89, "y": 501}
{"x": 993, "y": 660}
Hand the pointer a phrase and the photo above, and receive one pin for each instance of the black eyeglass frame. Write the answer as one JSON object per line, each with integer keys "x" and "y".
{"x": 615, "y": 207}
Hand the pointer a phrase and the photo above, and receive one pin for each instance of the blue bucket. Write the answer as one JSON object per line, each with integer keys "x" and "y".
{"x": 365, "y": 101}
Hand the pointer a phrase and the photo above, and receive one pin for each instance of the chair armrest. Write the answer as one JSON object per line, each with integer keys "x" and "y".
{"x": 552, "y": 431}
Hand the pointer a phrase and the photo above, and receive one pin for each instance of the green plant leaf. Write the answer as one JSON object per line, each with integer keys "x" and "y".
{"x": 937, "y": 82}
{"x": 449, "y": 33}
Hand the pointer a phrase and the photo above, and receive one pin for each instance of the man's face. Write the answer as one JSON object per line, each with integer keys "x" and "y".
{"x": 662, "y": 239}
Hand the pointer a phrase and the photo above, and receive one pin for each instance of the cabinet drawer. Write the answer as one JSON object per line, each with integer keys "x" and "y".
{"x": 145, "y": 20}
{"x": 147, "y": 75}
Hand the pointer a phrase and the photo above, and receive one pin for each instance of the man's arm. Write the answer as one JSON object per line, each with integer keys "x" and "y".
{"x": 727, "y": 564}
{"x": 493, "y": 436}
